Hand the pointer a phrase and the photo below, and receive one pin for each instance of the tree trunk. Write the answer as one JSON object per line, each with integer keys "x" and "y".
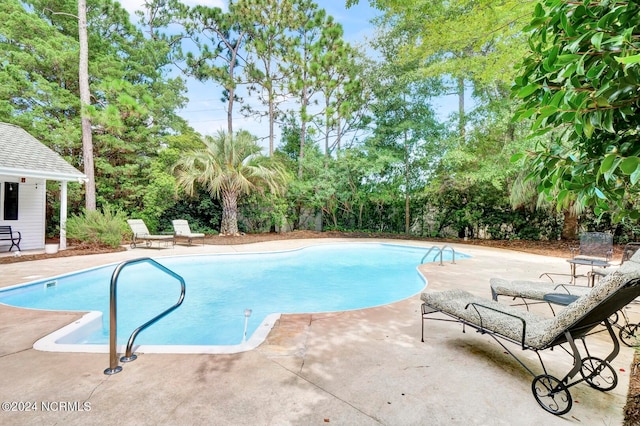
{"x": 229, "y": 225}
{"x": 272, "y": 116}
{"x": 407, "y": 195}
{"x": 303, "y": 130}
{"x": 569, "y": 225}
{"x": 461, "y": 112}
{"x": 85, "y": 100}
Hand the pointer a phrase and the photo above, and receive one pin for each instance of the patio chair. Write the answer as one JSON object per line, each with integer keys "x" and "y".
{"x": 530, "y": 331}
{"x": 594, "y": 245}
{"x": 141, "y": 235}
{"x": 181, "y": 230}
{"x": 595, "y": 250}
{"x": 13, "y": 237}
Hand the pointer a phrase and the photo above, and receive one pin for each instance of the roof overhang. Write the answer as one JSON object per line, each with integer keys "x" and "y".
{"x": 38, "y": 174}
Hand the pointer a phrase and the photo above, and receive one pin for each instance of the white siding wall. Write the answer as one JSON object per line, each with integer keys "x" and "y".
{"x": 31, "y": 212}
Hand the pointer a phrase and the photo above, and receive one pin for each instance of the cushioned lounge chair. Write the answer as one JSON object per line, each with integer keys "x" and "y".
{"x": 534, "y": 332}
{"x": 141, "y": 235}
{"x": 532, "y": 292}
{"x": 182, "y": 230}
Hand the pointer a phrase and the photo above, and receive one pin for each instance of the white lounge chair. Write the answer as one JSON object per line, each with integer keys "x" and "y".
{"x": 183, "y": 231}
{"x": 141, "y": 234}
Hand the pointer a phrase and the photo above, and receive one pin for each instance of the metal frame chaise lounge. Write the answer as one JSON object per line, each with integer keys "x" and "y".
{"x": 141, "y": 234}
{"x": 534, "y": 332}
{"x": 182, "y": 230}
{"x": 534, "y": 292}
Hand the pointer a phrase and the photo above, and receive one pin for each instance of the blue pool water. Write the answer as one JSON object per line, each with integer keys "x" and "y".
{"x": 322, "y": 278}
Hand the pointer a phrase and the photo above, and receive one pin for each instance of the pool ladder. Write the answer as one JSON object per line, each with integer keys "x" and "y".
{"x": 439, "y": 251}
{"x": 113, "y": 322}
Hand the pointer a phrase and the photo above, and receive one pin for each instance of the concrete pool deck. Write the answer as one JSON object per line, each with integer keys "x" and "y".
{"x": 365, "y": 367}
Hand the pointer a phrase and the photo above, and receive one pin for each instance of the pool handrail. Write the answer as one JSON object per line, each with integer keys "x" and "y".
{"x": 113, "y": 322}
{"x": 439, "y": 251}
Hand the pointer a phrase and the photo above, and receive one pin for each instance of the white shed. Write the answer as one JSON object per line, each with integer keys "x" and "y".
{"x": 25, "y": 167}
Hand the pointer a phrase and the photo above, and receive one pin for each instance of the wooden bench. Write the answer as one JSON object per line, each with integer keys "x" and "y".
{"x": 6, "y": 234}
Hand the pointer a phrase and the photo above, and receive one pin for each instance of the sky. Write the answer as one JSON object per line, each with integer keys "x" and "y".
{"x": 206, "y": 113}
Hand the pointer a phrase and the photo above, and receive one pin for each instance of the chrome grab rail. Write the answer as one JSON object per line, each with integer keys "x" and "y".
{"x": 113, "y": 323}
{"x": 429, "y": 252}
{"x": 439, "y": 251}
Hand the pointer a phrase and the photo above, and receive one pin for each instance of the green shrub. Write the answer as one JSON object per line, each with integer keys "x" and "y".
{"x": 106, "y": 227}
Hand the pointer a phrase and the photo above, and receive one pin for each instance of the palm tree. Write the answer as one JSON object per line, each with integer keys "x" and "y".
{"x": 228, "y": 167}
{"x": 525, "y": 193}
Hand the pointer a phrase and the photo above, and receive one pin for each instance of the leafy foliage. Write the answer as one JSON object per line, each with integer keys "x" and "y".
{"x": 470, "y": 39}
{"x": 134, "y": 101}
{"x": 262, "y": 213}
{"x": 582, "y": 79}
{"x": 108, "y": 227}
{"x": 407, "y": 171}
{"x": 202, "y": 212}
{"x": 480, "y": 210}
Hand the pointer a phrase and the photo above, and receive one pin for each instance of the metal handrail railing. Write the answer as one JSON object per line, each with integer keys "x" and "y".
{"x": 453, "y": 253}
{"x": 439, "y": 251}
{"x": 113, "y": 322}
{"x": 429, "y": 252}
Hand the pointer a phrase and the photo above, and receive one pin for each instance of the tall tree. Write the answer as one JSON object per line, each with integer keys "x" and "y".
{"x": 405, "y": 124}
{"x": 464, "y": 41}
{"x": 85, "y": 101}
{"x": 341, "y": 90}
{"x": 229, "y": 167}
{"x": 133, "y": 103}
{"x": 38, "y": 77}
{"x": 318, "y": 34}
{"x": 268, "y": 47}
{"x": 219, "y": 39}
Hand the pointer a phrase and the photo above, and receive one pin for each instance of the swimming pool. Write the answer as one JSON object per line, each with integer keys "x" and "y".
{"x": 220, "y": 288}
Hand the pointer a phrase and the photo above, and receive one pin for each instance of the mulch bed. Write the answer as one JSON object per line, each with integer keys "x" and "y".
{"x": 632, "y": 408}
{"x": 547, "y": 248}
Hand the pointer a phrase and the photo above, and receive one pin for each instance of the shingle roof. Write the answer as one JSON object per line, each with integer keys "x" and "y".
{"x": 23, "y": 155}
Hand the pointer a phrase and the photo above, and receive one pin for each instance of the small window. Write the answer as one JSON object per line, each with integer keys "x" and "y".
{"x": 10, "y": 201}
